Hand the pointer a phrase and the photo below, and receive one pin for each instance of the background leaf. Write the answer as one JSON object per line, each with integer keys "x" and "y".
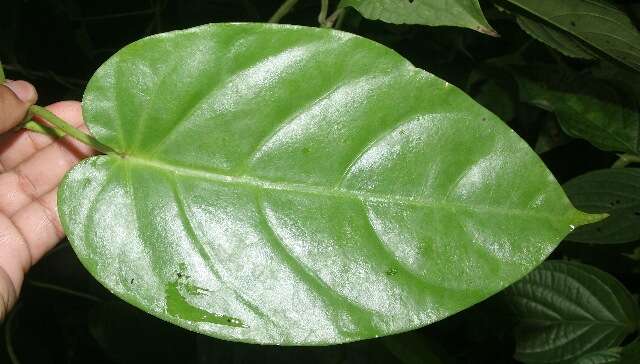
{"x": 581, "y": 28}
{"x": 249, "y": 205}
{"x": 631, "y": 352}
{"x": 586, "y": 107}
{"x": 556, "y": 39}
{"x": 461, "y": 13}
{"x": 568, "y": 310}
{"x": 611, "y": 356}
{"x": 614, "y": 191}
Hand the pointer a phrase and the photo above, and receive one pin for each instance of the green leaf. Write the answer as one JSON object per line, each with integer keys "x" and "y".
{"x": 290, "y": 185}
{"x": 631, "y": 352}
{"x": 460, "y": 13}
{"x": 613, "y": 191}
{"x": 609, "y": 356}
{"x": 556, "y": 39}
{"x": 586, "y": 107}
{"x": 551, "y": 135}
{"x": 497, "y": 99}
{"x": 581, "y": 28}
{"x": 568, "y": 310}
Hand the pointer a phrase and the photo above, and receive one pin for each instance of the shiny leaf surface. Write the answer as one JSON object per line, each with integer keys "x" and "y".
{"x": 301, "y": 186}
{"x": 461, "y": 13}
{"x": 613, "y": 191}
{"x": 569, "y": 310}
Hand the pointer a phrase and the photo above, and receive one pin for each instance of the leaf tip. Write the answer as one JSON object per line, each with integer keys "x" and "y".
{"x": 488, "y": 31}
{"x": 584, "y": 218}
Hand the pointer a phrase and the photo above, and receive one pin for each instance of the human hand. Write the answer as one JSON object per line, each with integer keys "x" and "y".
{"x": 31, "y": 167}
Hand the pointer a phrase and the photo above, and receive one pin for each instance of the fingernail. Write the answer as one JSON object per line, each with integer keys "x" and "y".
{"x": 24, "y": 90}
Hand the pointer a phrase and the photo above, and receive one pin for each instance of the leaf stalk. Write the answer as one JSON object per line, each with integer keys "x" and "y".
{"x": 66, "y": 128}
{"x": 324, "y": 9}
{"x": 626, "y": 159}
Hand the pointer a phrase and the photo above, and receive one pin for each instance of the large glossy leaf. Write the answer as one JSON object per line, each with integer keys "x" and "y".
{"x": 293, "y": 185}
{"x": 614, "y": 191}
{"x": 581, "y": 28}
{"x": 461, "y": 13}
{"x": 586, "y": 107}
{"x": 569, "y": 310}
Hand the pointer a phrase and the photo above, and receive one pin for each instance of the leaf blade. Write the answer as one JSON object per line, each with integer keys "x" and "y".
{"x": 595, "y": 24}
{"x": 462, "y": 13}
{"x": 568, "y": 311}
{"x": 276, "y": 207}
{"x": 611, "y": 191}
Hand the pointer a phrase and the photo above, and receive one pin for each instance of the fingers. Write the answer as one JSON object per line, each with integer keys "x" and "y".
{"x": 40, "y": 173}
{"x": 15, "y": 256}
{"x": 8, "y": 293}
{"x": 15, "y": 99}
{"x": 24, "y": 239}
{"x": 19, "y": 146}
{"x": 39, "y": 225}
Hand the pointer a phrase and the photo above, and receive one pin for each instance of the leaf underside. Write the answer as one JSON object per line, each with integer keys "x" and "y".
{"x": 300, "y": 186}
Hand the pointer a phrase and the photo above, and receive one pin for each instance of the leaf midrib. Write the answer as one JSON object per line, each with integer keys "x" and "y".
{"x": 330, "y": 192}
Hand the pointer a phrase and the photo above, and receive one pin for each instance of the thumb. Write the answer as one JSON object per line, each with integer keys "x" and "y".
{"x": 15, "y": 99}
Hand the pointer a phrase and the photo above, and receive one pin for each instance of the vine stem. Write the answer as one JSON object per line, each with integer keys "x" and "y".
{"x": 70, "y": 130}
{"x": 283, "y": 10}
{"x": 625, "y": 159}
{"x": 335, "y": 19}
{"x": 324, "y": 9}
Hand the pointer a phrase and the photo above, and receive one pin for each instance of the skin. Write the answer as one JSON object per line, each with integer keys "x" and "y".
{"x": 31, "y": 167}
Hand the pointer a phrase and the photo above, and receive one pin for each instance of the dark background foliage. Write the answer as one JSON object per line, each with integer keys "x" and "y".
{"x": 65, "y": 316}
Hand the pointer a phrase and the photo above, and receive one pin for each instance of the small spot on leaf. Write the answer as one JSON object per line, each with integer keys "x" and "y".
{"x": 391, "y": 272}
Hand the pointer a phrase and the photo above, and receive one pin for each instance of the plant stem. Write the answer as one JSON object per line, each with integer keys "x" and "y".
{"x": 2, "y": 78}
{"x": 331, "y": 20}
{"x": 625, "y": 159}
{"x": 70, "y": 130}
{"x": 43, "y": 129}
{"x": 283, "y": 10}
{"x": 324, "y": 9}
